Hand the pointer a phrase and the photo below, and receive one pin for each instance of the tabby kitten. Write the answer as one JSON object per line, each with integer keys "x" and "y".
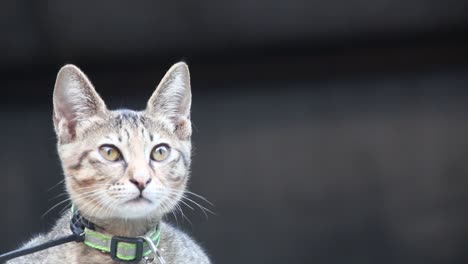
{"x": 124, "y": 170}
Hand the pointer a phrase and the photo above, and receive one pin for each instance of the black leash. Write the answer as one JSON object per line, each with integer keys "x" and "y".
{"x": 77, "y": 226}
{"x": 25, "y": 251}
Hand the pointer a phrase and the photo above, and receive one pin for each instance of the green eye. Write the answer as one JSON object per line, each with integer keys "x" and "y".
{"x": 160, "y": 153}
{"x": 110, "y": 153}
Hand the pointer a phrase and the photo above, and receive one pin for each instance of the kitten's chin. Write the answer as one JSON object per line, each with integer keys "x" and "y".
{"x": 136, "y": 208}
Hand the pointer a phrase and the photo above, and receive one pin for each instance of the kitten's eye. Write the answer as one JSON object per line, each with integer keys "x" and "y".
{"x": 160, "y": 153}
{"x": 110, "y": 153}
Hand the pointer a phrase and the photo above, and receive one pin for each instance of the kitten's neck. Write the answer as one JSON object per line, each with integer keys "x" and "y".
{"x": 125, "y": 227}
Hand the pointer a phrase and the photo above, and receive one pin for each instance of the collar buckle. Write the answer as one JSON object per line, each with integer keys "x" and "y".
{"x": 137, "y": 241}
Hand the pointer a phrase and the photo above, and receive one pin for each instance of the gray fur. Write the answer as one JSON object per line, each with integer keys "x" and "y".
{"x": 104, "y": 190}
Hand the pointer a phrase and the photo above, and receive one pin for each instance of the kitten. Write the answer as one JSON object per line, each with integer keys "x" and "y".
{"x": 124, "y": 170}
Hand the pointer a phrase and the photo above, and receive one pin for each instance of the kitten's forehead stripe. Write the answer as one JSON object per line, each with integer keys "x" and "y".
{"x": 119, "y": 122}
{"x": 128, "y": 134}
{"x": 130, "y": 116}
{"x": 142, "y": 119}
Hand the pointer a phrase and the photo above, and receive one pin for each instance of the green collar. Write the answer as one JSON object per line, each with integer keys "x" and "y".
{"x": 123, "y": 248}
{"x": 120, "y": 248}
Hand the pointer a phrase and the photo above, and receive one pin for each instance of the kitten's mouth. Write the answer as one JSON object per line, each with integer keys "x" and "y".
{"x": 138, "y": 200}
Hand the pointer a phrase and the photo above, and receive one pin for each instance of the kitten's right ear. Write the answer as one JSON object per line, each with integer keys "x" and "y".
{"x": 75, "y": 102}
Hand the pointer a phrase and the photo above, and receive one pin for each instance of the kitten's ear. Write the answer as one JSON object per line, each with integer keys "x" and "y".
{"x": 172, "y": 99}
{"x": 75, "y": 102}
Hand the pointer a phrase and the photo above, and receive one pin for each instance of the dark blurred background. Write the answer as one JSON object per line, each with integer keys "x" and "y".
{"x": 325, "y": 131}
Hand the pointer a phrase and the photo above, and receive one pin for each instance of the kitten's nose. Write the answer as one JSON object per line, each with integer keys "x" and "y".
{"x": 140, "y": 183}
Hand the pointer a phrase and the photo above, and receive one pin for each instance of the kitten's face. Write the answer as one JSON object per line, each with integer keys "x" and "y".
{"x": 124, "y": 164}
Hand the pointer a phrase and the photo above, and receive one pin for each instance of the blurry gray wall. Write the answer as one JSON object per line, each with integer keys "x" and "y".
{"x": 324, "y": 132}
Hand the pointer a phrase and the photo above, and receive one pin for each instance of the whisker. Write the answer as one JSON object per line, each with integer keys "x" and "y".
{"x": 183, "y": 215}
{"x": 55, "y": 185}
{"x": 199, "y": 196}
{"x": 76, "y": 198}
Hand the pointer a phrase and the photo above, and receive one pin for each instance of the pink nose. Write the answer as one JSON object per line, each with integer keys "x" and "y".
{"x": 140, "y": 183}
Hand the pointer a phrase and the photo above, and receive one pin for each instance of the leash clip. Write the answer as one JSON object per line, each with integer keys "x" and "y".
{"x": 77, "y": 227}
{"x": 156, "y": 254}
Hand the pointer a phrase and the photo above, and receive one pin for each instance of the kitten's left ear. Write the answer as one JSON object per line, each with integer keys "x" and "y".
{"x": 172, "y": 99}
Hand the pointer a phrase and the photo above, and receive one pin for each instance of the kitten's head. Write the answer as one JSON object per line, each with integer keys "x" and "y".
{"x": 123, "y": 163}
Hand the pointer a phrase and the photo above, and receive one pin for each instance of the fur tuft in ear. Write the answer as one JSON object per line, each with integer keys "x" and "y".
{"x": 172, "y": 99}
{"x": 75, "y": 102}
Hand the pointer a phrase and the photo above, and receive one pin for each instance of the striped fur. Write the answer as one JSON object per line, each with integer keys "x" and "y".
{"x": 103, "y": 190}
